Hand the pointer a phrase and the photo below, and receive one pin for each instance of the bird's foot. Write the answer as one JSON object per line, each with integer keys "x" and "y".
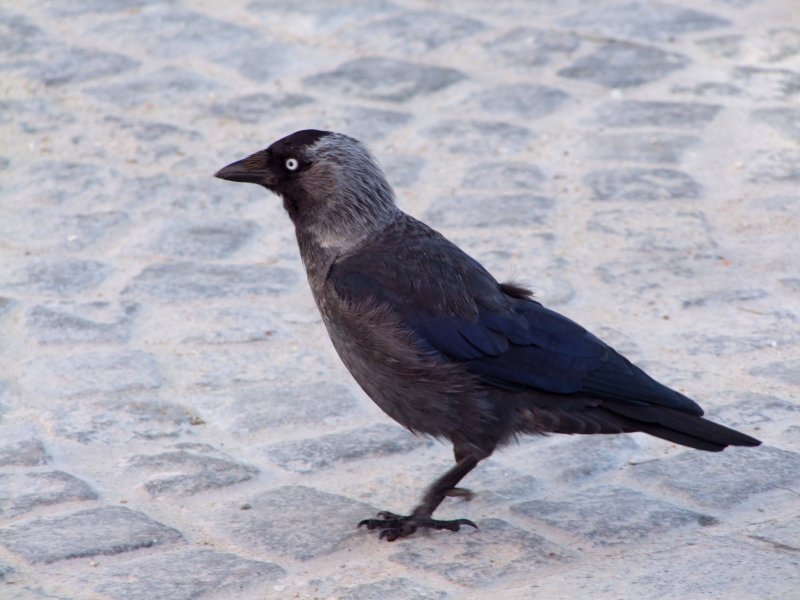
{"x": 394, "y": 526}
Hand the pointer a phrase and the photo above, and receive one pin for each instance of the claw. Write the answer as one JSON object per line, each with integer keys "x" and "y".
{"x": 453, "y": 525}
{"x": 394, "y": 526}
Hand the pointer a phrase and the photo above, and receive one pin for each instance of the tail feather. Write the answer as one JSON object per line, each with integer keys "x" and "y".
{"x": 682, "y": 428}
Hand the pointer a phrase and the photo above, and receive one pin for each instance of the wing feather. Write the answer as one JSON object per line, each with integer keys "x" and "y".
{"x": 456, "y": 309}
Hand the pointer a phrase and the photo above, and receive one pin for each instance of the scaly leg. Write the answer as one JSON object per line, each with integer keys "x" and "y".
{"x": 394, "y": 526}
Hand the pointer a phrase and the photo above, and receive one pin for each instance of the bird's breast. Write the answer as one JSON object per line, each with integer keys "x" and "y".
{"x": 424, "y": 393}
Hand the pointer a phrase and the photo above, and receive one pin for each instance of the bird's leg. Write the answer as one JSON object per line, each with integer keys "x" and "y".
{"x": 460, "y": 453}
{"x": 394, "y": 526}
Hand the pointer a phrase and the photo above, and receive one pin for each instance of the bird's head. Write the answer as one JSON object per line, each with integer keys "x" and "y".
{"x": 330, "y": 184}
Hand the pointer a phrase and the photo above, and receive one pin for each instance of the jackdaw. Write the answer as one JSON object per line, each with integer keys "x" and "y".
{"x": 436, "y": 341}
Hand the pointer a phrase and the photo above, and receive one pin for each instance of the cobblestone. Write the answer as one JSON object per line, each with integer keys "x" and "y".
{"x": 611, "y": 515}
{"x": 98, "y": 531}
{"x": 174, "y": 423}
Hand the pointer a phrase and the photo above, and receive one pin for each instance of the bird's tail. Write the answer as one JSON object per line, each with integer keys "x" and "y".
{"x": 681, "y": 428}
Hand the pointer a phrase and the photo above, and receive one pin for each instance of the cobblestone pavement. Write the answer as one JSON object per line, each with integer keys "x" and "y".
{"x": 174, "y": 423}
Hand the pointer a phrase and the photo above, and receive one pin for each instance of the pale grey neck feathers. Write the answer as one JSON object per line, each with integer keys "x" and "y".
{"x": 353, "y": 198}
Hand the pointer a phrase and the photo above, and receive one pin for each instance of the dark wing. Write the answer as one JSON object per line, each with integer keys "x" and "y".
{"x": 457, "y": 309}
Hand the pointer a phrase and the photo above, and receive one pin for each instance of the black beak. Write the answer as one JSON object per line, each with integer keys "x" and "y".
{"x": 253, "y": 169}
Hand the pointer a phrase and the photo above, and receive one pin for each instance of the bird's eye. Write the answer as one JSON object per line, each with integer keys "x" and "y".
{"x": 292, "y": 164}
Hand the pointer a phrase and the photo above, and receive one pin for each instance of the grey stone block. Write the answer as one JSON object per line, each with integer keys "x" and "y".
{"x": 520, "y": 100}
{"x": 63, "y": 276}
{"x": 643, "y": 147}
{"x": 730, "y": 567}
{"x": 270, "y": 406}
{"x": 166, "y": 85}
{"x": 398, "y": 588}
{"x": 722, "y": 46}
{"x": 753, "y": 82}
{"x": 517, "y": 210}
{"x": 70, "y": 232}
{"x": 324, "y": 14}
{"x": 151, "y": 131}
{"x": 92, "y": 373}
{"x": 502, "y": 176}
{"x": 786, "y": 372}
{"x": 227, "y": 367}
{"x": 722, "y": 345}
{"x": 183, "y": 473}
{"x": 18, "y": 35}
{"x": 655, "y": 274}
{"x": 726, "y": 296}
{"x": 206, "y": 238}
{"x": 34, "y": 115}
{"x": 67, "y": 8}
{"x": 193, "y": 281}
{"x": 57, "y": 233}
{"x": 385, "y": 79}
{"x": 98, "y": 531}
{"x": 6, "y": 571}
{"x": 725, "y": 479}
{"x": 709, "y": 88}
{"x": 649, "y": 21}
{"x": 23, "y": 492}
{"x": 185, "y": 575}
{"x": 4, "y": 391}
{"x": 672, "y": 230}
{"x": 71, "y": 322}
{"x": 298, "y": 522}
{"x": 622, "y": 65}
{"x": 63, "y": 182}
{"x": 790, "y": 283}
{"x": 164, "y": 195}
{"x": 640, "y": 184}
{"x": 611, "y": 515}
{"x": 780, "y": 44}
{"x": 76, "y": 65}
{"x": 532, "y": 47}
{"x": 36, "y": 592}
{"x": 467, "y": 557}
{"x": 418, "y": 30}
{"x": 21, "y": 448}
{"x": 753, "y": 410}
{"x": 370, "y": 124}
{"x": 737, "y": 3}
{"x": 309, "y": 455}
{"x": 782, "y": 166}
{"x": 782, "y": 534}
{"x": 114, "y": 421}
{"x": 402, "y": 170}
{"x": 649, "y": 113}
{"x": 175, "y": 32}
{"x": 496, "y": 484}
{"x": 6, "y": 304}
{"x": 766, "y": 83}
{"x": 581, "y": 459}
{"x": 785, "y": 121}
{"x": 259, "y": 62}
{"x": 230, "y": 325}
{"x": 260, "y": 107}
{"x": 481, "y": 138}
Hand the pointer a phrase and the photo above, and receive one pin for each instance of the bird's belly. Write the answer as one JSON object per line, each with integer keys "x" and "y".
{"x": 422, "y": 393}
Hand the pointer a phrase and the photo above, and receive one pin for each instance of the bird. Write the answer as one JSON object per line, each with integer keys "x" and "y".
{"x": 436, "y": 341}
